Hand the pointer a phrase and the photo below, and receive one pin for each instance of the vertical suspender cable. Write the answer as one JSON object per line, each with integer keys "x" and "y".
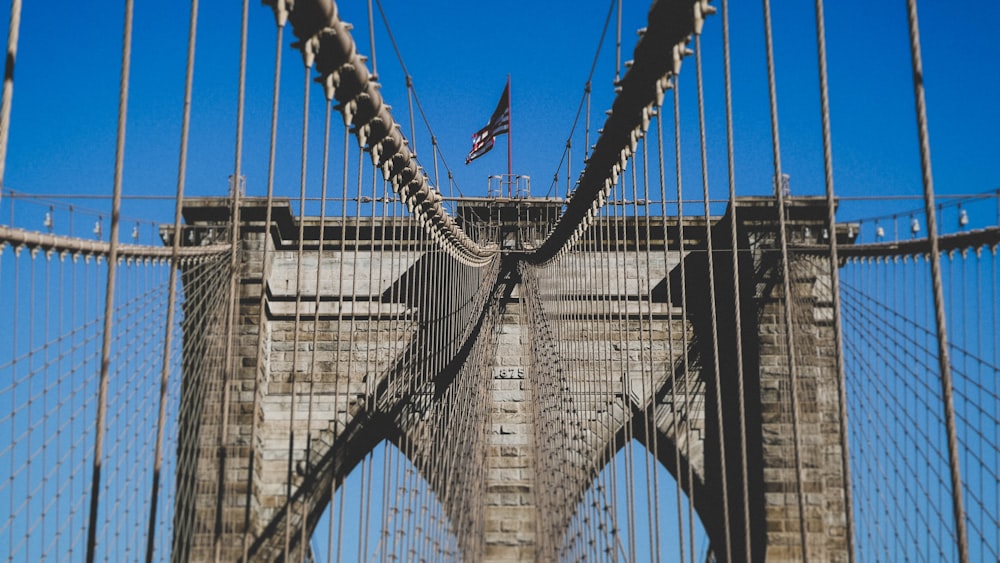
{"x": 651, "y": 430}
{"x": 672, "y": 372}
{"x": 13, "y": 33}
{"x": 586, "y": 132}
{"x": 319, "y": 269}
{"x": 935, "y": 258}
{"x": 371, "y": 41}
{"x": 316, "y": 305}
{"x": 737, "y": 306}
{"x": 172, "y": 281}
{"x": 229, "y": 365}
{"x": 413, "y": 127}
{"x": 724, "y": 473}
{"x": 262, "y": 302}
{"x": 109, "y": 295}
{"x": 686, "y": 366}
{"x": 785, "y": 276}
{"x": 834, "y": 275}
{"x": 292, "y": 379}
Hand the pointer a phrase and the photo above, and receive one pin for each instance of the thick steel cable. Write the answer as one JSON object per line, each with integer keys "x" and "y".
{"x": 944, "y": 361}
{"x": 230, "y": 358}
{"x": 297, "y": 315}
{"x": 624, "y": 363}
{"x": 109, "y": 297}
{"x": 371, "y": 40}
{"x": 737, "y": 303}
{"x": 834, "y": 274}
{"x": 670, "y": 364}
{"x": 352, "y": 326}
{"x": 652, "y": 445}
{"x": 412, "y": 97}
{"x": 669, "y": 27}
{"x": 786, "y": 272}
{"x": 13, "y": 33}
{"x": 684, "y": 314}
{"x": 340, "y": 313}
{"x": 316, "y": 306}
{"x": 262, "y": 301}
{"x": 724, "y": 469}
{"x": 172, "y": 291}
{"x": 618, "y": 44}
{"x": 608, "y": 382}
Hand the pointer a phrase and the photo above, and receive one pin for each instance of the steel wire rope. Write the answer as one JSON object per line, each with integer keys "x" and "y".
{"x": 879, "y": 444}
{"x": 584, "y": 475}
{"x": 652, "y": 441}
{"x": 352, "y": 327}
{"x": 710, "y": 252}
{"x": 671, "y": 376}
{"x": 317, "y": 302}
{"x": 338, "y": 425}
{"x": 737, "y": 298}
{"x": 110, "y": 292}
{"x": 883, "y": 393}
{"x": 936, "y": 284}
{"x": 786, "y": 281}
{"x": 233, "y": 305}
{"x": 918, "y": 361}
{"x": 415, "y": 99}
{"x": 585, "y": 99}
{"x": 620, "y": 297}
{"x": 686, "y": 365}
{"x": 297, "y": 315}
{"x": 13, "y": 34}
{"x": 265, "y": 275}
{"x": 588, "y": 316}
{"x": 650, "y": 470}
{"x": 834, "y": 273}
{"x": 611, "y": 481}
{"x": 910, "y": 323}
{"x": 890, "y": 397}
{"x": 618, "y": 43}
{"x": 172, "y": 295}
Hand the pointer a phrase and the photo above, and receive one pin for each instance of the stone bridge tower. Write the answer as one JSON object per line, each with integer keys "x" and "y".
{"x": 236, "y": 420}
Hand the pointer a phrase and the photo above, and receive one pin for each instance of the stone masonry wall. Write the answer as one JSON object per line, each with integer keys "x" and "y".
{"x": 511, "y": 514}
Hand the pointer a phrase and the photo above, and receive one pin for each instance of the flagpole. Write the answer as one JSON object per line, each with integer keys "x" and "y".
{"x": 510, "y": 128}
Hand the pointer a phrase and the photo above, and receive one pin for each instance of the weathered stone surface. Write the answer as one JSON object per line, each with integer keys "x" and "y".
{"x": 229, "y": 415}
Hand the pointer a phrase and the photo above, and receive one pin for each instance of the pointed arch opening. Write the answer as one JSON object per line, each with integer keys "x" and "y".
{"x": 384, "y": 509}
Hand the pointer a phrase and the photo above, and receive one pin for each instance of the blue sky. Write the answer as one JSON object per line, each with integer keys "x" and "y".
{"x": 64, "y": 112}
{"x": 65, "y": 103}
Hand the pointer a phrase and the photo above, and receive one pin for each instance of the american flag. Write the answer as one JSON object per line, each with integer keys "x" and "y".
{"x": 482, "y": 140}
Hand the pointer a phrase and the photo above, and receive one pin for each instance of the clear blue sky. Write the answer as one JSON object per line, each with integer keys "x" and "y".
{"x": 63, "y": 125}
{"x": 65, "y": 104}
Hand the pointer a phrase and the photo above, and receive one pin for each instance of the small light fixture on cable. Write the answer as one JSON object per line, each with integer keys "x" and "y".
{"x": 135, "y": 232}
{"x": 914, "y": 226}
{"x": 97, "y": 228}
{"x": 963, "y": 218}
{"x": 48, "y": 222}
{"x": 879, "y": 232}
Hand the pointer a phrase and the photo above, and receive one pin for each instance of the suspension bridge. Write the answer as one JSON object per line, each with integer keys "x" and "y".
{"x": 376, "y": 369}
